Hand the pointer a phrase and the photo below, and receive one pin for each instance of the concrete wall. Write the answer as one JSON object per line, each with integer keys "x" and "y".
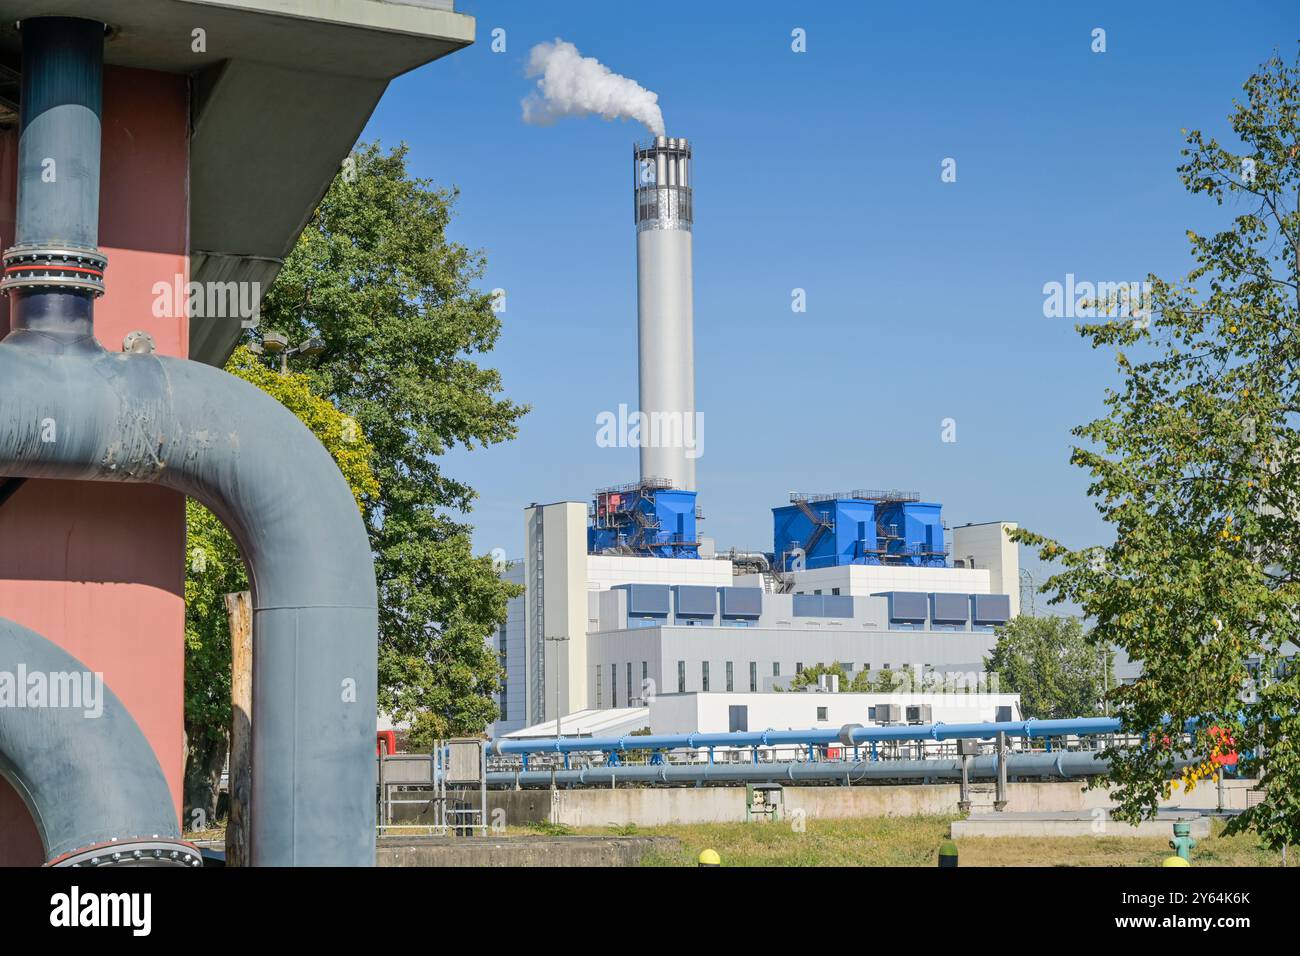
{"x": 510, "y": 641}
{"x": 868, "y": 579}
{"x": 664, "y": 806}
{"x": 519, "y": 851}
{"x": 777, "y": 652}
{"x": 99, "y": 568}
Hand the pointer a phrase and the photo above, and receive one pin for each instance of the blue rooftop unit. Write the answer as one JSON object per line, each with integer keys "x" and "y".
{"x": 829, "y": 532}
{"x": 857, "y": 527}
{"x": 911, "y": 532}
{"x": 647, "y": 518}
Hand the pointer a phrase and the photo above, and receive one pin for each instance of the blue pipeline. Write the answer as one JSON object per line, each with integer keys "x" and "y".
{"x": 850, "y": 735}
{"x": 1054, "y": 766}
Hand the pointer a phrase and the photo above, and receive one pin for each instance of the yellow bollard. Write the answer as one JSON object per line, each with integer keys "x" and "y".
{"x": 710, "y": 858}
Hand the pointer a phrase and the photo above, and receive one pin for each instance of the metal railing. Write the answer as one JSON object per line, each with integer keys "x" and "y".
{"x": 449, "y": 785}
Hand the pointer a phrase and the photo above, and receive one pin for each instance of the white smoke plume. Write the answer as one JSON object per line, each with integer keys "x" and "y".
{"x": 571, "y": 84}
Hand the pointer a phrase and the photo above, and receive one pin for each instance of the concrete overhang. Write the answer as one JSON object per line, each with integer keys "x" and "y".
{"x": 280, "y": 91}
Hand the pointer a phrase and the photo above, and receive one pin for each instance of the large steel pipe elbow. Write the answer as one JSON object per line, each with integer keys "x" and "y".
{"x": 71, "y": 410}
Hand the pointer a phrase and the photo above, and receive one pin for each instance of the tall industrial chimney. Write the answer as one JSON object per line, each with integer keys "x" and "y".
{"x": 665, "y": 313}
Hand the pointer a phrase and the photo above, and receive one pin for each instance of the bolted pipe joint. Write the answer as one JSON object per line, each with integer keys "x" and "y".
{"x": 56, "y": 244}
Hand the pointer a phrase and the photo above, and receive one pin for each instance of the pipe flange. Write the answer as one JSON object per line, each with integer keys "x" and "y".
{"x": 28, "y": 267}
{"x": 148, "y": 851}
{"x": 139, "y": 343}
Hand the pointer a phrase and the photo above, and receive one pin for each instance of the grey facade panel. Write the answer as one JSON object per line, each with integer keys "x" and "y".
{"x": 695, "y": 600}
{"x": 992, "y": 608}
{"x": 909, "y": 606}
{"x": 822, "y": 605}
{"x": 838, "y": 605}
{"x": 647, "y": 599}
{"x": 741, "y": 602}
{"x": 807, "y": 605}
{"x": 951, "y": 608}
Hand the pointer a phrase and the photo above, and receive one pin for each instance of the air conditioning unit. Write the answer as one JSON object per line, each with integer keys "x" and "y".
{"x": 888, "y": 713}
{"x": 920, "y": 714}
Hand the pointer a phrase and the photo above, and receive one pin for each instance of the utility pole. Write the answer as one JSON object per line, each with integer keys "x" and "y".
{"x": 1026, "y": 590}
{"x": 1105, "y": 678}
{"x": 557, "y": 641}
{"x": 239, "y": 613}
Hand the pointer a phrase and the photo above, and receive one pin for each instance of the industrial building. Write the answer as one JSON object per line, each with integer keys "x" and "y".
{"x": 625, "y": 600}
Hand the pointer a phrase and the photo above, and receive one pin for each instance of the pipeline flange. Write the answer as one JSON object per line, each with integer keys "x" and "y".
{"x": 149, "y": 851}
{"x": 49, "y": 267}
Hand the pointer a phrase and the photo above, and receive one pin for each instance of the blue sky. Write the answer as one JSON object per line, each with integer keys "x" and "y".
{"x": 821, "y": 171}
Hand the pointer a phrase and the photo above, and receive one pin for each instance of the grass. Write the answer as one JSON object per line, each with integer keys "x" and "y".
{"x": 890, "y": 841}
{"x": 914, "y": 841}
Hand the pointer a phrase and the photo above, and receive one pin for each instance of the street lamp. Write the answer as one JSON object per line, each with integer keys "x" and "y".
{"x": 557, "y": 641}
{"x": 277, "y": 343}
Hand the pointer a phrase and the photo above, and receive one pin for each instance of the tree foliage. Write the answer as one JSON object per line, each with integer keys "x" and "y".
{"x": 884, "y": 681}
{"x": 1051, "y": 664}
{"x": 1196, "y": 466}
{"x": 375, "y": 276}
{"x": 214, "y": 569}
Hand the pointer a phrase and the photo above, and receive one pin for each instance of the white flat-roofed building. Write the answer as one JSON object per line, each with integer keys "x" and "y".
{"x": 807, "y": 710}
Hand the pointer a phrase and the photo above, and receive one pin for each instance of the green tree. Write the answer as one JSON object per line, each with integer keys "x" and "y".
{"x": 1196, "y": 466}
{"x": 375, "y": 276}
{"x": 1051, "y": 664}
{"x": 809, "y": 676}
{"x": 214, "y": 569}
{"x": 884, "y": 682}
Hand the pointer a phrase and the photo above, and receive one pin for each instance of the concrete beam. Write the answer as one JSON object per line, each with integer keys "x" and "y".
{"x": 366, "y": 38}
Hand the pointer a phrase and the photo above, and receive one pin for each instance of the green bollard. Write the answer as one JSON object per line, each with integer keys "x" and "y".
{"x": 947, "y": 853}
{"x": 1182, "y": 843}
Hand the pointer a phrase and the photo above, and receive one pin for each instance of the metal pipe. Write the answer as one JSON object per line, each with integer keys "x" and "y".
{"x": 59, "y": 142}
{"x": 71, "y": 410}
{"x": 196, "y": 429}
{"x": 746, "y": 557}
{"x": 1083, "y": 726}
{"x": 1000, "y": 797}
{"x": 57, "y": 227}
{"x": 1058, "y": 766}
{"x": 79, "y": 761}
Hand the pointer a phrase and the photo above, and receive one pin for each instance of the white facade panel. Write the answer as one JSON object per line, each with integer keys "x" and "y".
{"x": 605, "y": 571}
